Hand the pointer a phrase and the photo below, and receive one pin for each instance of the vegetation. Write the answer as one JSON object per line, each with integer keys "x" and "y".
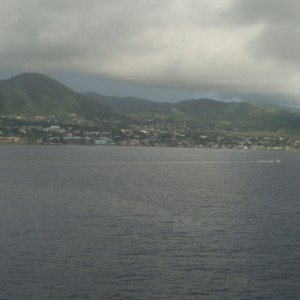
{"x": 206, "y": 111}
{"x": 36, "y": 94}
{"x": 29, "y": 101}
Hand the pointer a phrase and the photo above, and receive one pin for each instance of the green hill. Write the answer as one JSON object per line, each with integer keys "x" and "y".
{"x": 130, "y": 105}
{"x": 205, "y": 111}
{"x": 35, "y": 94}
{"x": 32, "y": 94}
{"x": 262, "y": 115}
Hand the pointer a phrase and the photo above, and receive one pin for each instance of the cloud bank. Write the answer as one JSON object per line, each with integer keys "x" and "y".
{"x": 208, "y": 45}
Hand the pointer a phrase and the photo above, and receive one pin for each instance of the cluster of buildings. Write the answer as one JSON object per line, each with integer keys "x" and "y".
{"x": 157, "y": 134}
{"x": 216, "y": 136}
{"x": 214, "y": 142}
{"x": 55, "y": 134}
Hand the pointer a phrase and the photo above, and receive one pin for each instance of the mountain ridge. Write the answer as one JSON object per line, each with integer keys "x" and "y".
{"x": 38, "y": 94}
{"x": 34, "y": 93}
{"x": 204, "y": 110}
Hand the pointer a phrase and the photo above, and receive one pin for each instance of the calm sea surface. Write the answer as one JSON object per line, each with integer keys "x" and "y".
{"x": 82, "y": 222}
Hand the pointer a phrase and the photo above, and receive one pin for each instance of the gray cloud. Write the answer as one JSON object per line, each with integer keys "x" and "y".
{"x": 252, "y": 11}
{"x": 279, "y": 22}
{"x": 202, "y": 45}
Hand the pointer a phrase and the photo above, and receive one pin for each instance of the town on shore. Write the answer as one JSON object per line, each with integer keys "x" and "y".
{"x": 135, "y": 132}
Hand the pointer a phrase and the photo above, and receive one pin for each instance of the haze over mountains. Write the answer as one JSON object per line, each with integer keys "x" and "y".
{"x": 32, "y": 94}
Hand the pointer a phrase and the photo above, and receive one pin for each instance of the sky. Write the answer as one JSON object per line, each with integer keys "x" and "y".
{"x": 162, "y": 50}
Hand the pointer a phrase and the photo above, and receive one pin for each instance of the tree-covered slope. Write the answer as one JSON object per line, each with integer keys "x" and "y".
{"x": 36, "y": 94}
{"x": 130, "y": 105}
{"x": 206, "y": 111}
{"x": 32, "y": 93}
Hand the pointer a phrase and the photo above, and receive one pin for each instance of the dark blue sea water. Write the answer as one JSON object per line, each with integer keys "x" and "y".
{"x": 82, "y": 222}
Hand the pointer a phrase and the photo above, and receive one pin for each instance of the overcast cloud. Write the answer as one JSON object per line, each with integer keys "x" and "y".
{"x": 209, "y": 46}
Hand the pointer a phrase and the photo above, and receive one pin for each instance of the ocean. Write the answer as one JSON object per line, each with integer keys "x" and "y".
{"x": 89, "y": 222}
